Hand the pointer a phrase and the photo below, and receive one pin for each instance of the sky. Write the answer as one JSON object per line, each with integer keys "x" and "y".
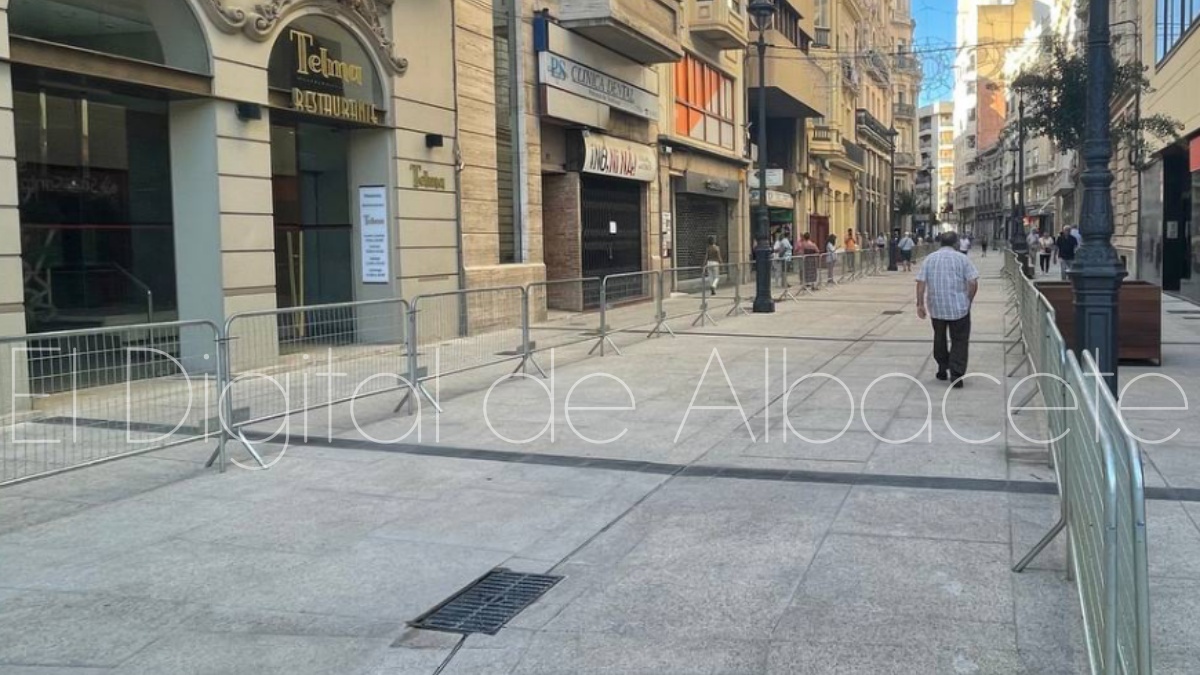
{"x": 935, "y": 31}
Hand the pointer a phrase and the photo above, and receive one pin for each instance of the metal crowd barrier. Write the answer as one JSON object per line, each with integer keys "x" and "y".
{"x": 95, "y": 395}
{"x": 1098, "y": 469}
{"x": 563, "y": 312}
{"x": 284, "y": 362}
{"x": 81, "y": 397}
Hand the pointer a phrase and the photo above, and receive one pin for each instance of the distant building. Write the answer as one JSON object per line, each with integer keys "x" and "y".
{"x": 935, "y": 181}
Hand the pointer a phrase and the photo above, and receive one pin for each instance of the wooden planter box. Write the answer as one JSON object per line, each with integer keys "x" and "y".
{"x": 1140, "y": 317}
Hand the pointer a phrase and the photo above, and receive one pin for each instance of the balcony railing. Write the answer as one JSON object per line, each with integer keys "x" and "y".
{"x": 904, "y": 110}
{"x": 868, "y": 123}
{"x": 824, "y": 134}
{"x": 854, "y": 152}
{"x": 877, "y": 67}
{"x": 821, "y": 38}
{"x": 906, "y": 159}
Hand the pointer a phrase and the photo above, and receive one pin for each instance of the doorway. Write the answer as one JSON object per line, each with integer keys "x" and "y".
{"x": 612, "y": 226}
{"x": 313, "y": 225}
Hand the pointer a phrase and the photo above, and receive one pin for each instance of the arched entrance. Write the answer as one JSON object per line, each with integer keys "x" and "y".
{"x": 329, "y": 152}
{"x": 92, "y": 84}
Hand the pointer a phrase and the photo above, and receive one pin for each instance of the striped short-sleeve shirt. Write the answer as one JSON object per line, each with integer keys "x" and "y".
{"x": 946, "y": 274}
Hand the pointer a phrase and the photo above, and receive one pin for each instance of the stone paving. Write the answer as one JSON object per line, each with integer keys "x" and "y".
{"x": 702, "y": 540}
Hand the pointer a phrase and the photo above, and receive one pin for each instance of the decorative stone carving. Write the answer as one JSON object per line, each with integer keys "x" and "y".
{"x": 259, "y": 22}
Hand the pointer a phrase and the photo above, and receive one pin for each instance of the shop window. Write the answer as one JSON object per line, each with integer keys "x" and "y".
{"x": 704, "y": 103}
{"x": 94, "y": 186}
{"x": 164, "y": 32}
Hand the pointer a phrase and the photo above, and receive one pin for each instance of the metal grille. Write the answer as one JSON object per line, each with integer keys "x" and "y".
{"x": 698, "y": 219}
{"x": 612, "y": 229}
{"x": 489, "y": 603}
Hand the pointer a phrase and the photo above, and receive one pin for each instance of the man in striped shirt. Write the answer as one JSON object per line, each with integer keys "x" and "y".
{"x": 946, "y": 286}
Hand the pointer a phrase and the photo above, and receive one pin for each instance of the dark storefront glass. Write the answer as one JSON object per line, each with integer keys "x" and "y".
{"x": 94, "y": 183}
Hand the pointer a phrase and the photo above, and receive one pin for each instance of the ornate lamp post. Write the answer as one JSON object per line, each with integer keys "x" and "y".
{"x": 1016, "y": 234}
{"x": 1098, "y": 272}
{"x": 762, "y": 11}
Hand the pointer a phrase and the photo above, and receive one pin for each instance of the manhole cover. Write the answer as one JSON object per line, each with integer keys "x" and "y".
{"x": 489, "y": 603}
{"x": 893, "y": 312}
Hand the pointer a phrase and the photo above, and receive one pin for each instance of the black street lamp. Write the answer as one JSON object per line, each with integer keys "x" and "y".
{"x": 893, "y": 252}
{"x": 1097, "y": 272}
{"x": 762, "y": 11}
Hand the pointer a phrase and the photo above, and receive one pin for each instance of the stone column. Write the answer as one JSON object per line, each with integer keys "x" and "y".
{"x": 13, "y": 370}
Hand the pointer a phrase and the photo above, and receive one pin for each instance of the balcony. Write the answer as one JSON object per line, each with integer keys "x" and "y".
{"x": 1063, "y": 183}
{"x": 877, "y": 67}
{"x": 907, "y": 63}
{"x": 796, "y": 85}
{"x": 906, "y": 160}
{"x": 873, "y": 129}
{"x": 849, "y": 73}
{"x": 822, "y": 38}
{"x": 721, "y": 23}
{"x": 906, "y": 110}
{"x": 855, "y": 153}
{"x": 644, "y": 30}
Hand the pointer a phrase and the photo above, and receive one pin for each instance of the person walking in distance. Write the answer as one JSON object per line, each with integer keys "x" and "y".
{"x": 1045, "y": 252}
{"x": 906, "y": 247}
{"x": 783, "y": 257}
{"x": 851, "y": 248}
{"x": 712, "y": 264}
{"x": 983, "y": 244}
{"x": 946, "y": 286}
{"x": 831, "y": 254}
{"x": 1064, "y": 248}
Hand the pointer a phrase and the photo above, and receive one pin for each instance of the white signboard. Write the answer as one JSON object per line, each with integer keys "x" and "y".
{"x": 373, "y": 232}
{"x": 775, "y": 199}
{"x": 563, "y": 73}
{"x": 774, "y": 178}
{"x": 610, "y": 156}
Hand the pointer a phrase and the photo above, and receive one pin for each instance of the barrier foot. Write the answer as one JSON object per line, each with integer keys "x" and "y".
{"x": 1023, "y": 403}
{"x": 737, "y": 309}
{"x": 660, "y": 328}
{"x": 704, "y": 317}
{"x": 407, "y": 399}
{"x": 212, "y": 459}
{"x": 1018, "y": 366}
{"x": 1014, "y": 345}
{"x": 523, "y": 367}
{"x": 1040, "y": 546}
{"x": 600, "y": 344}
{"x": 1012, "y": 330}
{"x": 429, "y": 397}
{"x": 787, "y": 295}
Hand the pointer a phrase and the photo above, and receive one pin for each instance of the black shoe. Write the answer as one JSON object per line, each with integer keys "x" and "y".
{"x": 957, "y": 379}
{"x": 942, "y": 375}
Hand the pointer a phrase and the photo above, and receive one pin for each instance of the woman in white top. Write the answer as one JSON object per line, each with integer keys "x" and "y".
{"x": 1045, "y": 251}
{"x": 831, "y": 254}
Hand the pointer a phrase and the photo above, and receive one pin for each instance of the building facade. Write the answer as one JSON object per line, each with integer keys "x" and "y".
{"x": 188, "y": 159}
{"x": 935, "y": 187}
{"x": 1169, "y": 241}
{"x": 987, "y": 30}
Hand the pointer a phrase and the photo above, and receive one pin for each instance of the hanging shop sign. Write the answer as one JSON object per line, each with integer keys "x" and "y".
{"x": 610, "y": 156}
{"x": 373, "y": 233}
{"x": 325, "y": 71}
{"x": 774, "y": 178}
{"x": 775, "y": 199}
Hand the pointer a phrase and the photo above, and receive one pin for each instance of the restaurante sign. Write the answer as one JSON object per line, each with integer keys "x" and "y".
{"x": 320, "y": 77}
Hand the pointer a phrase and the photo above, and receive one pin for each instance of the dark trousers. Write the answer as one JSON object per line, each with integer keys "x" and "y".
{"x": 1044, "y": 259}
{"x": 952, "y": 355}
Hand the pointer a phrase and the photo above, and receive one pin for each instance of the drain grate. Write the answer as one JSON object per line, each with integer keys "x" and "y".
{"x": 489, "y": 603}
{"x": 892, "y": 312}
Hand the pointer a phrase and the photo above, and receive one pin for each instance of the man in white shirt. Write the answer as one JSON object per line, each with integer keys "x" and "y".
{"x": 906, "y": 247}
{"x": 946, "y": 286}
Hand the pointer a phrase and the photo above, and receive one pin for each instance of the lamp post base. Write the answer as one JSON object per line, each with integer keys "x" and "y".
{"x": 763, "y": 302}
